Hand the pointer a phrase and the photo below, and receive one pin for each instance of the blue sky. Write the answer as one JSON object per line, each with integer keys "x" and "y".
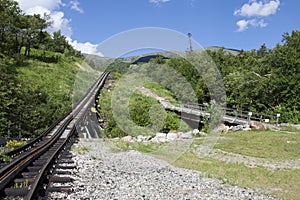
{"x": 239, "y": 24}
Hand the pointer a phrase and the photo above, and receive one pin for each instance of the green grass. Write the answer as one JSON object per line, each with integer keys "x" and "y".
{"x": 138, "y": 146}
{"x": 163, "y": 92}
{"x": 290, "y": 129}
{"x": 281, "y": 183}
{"x": 56, "y": 84}
{"x": 262, "y": 144}
{"x": 80, "y": 149}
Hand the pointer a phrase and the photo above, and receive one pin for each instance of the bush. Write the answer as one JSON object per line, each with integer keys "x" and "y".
{"x": 12, "y": 144}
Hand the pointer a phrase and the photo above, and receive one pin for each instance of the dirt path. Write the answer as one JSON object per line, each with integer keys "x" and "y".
{"x": 165, "y": 103}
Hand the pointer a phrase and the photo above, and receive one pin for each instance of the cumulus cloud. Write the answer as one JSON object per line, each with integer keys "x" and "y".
{"x": 59, "y": 22}
{"x": 48, "y": 4}
{"x": 37, "y": 10}
{"x": 260, "y": 9}
{"x": 49, "y": 7}
{"x": 244, "y": 24}
{"x": 75, "y": 6}
{"x": 86, "y": 47}
{"x": 256, "y": 11}
{"x": 158, "y": 1}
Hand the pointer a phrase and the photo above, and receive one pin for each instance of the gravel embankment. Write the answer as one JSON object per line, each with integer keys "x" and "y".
{"x": 102, "y": 174}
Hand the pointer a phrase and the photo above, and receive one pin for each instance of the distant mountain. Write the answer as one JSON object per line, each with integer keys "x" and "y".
{"x": 102, "y": 62}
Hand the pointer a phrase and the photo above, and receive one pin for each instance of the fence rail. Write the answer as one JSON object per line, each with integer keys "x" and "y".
{"x": 230, "y": 113}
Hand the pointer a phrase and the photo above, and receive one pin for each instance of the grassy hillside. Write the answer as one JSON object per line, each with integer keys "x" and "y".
{"x": 44, "y": 87}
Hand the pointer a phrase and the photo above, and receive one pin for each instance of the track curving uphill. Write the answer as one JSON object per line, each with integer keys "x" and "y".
{"x": 30, "y": 174}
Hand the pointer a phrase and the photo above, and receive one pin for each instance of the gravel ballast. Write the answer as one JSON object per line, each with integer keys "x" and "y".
{"x": 102, "y": 174}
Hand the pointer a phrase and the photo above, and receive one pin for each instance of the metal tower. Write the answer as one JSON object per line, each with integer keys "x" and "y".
{"x": 190, "y": 41}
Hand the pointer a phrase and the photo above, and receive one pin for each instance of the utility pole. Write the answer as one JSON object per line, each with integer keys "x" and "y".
{"x": 190, "y": 41}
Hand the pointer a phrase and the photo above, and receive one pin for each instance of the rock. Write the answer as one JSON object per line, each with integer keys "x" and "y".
{"x": 147, "y": 138}
{"x": 142, "y": 138}
{"x": 221, "y": 128}
{"x": 246, "y": 126}
{"x": 202, "y": 134}
{"x": 162, "y": 139}
{"x": 132, "y": 175}
{"x": 161, "y": 135}
{"x": 257, "y": 126}
{"x": 154, "y": 140}
{"x": 187, "y": 135}
{"x": 172, "y": 136}
{"x": 173, "y": 131}
{"x": 247, "y": 129}
{"x": 226, "y": 129}
{"x": 195, "y": 131}
{"x": 237, "y": 128}
{"x": 128, "y": 138}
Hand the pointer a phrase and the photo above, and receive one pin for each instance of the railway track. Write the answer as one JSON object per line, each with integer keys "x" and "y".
{"x": 35, "y": 167}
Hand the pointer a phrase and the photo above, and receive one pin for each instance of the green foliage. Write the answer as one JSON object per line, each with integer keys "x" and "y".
{"x": 5, "y": 158}
{"x": 30, "y": 99}
{"x": 144, "y": 111}
{"x": 138, "y": 146}
{"x": 265, "y": 80}
{"x": 139, "y": 109}
{"x": 118, "y": 67}
{"x": 159, "y": 59}
{"x": 32, "y": 60}
{"x": 18, "y": 30}
{"x": 80, "y": 149}
{"x": 21, "y": 185}
{"x": 12, "y": 144}
{"x": 163, "y": 92}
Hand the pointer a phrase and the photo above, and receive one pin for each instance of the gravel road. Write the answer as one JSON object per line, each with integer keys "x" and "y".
{"x": 103, "y": 174}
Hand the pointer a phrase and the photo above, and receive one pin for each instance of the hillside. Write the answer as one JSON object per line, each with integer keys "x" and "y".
{"x": 261, "y": 81}
{"x": 35, "y": 93}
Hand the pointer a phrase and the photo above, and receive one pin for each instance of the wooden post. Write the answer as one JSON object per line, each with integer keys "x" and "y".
{"x": 8, "y": 129}
{"x": 277, "y": 119}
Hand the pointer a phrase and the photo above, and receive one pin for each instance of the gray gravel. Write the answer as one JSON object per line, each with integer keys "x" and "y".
{"x": 102, "y": 174}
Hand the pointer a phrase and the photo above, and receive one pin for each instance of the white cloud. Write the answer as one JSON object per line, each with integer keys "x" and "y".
{"x": 75, "y": 6}
{"x": 49, "y": 7}
{"x": 60, "y": 23}
{"x": 259, "y": 9}
{"x": 86, "y": 47}
{"x": 38, "y": 10}
{"x": 244, "y": 24}
{"x": 48, "y": 4}
{"x": 158, "y": 1}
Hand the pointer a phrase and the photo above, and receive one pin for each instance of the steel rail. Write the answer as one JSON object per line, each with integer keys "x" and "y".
{"x": 9, "y": 172}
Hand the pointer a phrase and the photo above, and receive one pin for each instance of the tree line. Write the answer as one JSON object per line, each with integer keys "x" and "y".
{"x": 20, "y": 31}
{"x": 264, "y": 80}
